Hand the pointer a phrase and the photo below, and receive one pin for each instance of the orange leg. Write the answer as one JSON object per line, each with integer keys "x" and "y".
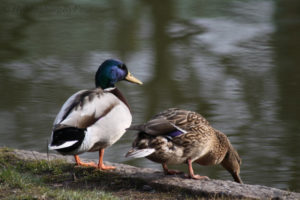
{"x": 79, "y": 163}
{"x": 169, "y": 171}
{"x": 191, "y": 172}
{"x": 100, "y": 164}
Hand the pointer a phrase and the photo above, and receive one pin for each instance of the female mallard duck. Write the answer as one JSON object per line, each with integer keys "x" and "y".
{"x": 178, "y": 136}
{"x": 91, "y": 120}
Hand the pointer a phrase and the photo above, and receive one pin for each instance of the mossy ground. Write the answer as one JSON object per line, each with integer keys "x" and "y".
{"x": 57, "y": 179}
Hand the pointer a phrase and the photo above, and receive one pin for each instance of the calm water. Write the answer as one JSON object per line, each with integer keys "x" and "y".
{"x": 235, "y": 62}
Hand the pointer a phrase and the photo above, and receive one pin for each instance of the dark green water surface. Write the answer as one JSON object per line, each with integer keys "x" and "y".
{"x": 235, "y": 62}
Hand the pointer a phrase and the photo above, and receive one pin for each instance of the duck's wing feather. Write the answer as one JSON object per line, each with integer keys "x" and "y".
{"x": 155, "y": 127}
{"x": 66, "y": 108}
{"x": 182, "y": 118}
{"x": 170, "y": 121}
{"x": 163, "y": 123}
{"x": 86, "y": 107}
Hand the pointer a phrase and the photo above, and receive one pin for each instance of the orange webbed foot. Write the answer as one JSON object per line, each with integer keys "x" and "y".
{"x": 170, "y": 171}
{"x": 191, "y": 172}
{"x": 198, "y": 177}
{"x": 106, "y": 167}
{"x": 101, "y": 166}
{"x": 88, "y": 164}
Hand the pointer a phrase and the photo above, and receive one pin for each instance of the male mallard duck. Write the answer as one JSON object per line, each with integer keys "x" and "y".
{"x": 91, "y": 120}
{"x": 178, "y": 136}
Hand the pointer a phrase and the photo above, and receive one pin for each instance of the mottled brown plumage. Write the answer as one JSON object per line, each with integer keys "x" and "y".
{"x": 197, "y": 142}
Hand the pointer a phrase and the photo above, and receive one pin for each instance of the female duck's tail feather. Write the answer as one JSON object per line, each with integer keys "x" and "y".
{"x": 139, "y": 153}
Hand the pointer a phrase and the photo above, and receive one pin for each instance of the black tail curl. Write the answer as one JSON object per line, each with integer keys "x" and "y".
{"x": 62, "y": 135}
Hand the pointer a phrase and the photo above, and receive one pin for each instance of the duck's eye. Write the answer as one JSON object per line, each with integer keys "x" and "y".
{"x": 123, "y": 66}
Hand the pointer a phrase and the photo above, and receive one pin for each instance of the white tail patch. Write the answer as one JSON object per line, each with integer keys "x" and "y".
{"x": 139, "y": 153}
{"x": 64, "y": 145}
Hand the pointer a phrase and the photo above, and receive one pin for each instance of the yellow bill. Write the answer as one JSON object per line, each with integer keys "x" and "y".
{"x": 132, "y": 79}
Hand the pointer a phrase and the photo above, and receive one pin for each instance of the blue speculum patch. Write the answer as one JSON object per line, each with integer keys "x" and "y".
{"x": 175, "y": 133}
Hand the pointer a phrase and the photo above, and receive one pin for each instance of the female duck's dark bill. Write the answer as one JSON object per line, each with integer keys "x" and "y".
{"x": 132, "y": 79}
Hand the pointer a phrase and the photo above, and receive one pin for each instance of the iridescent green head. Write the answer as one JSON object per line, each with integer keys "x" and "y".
{"x": 112, "y": 71}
